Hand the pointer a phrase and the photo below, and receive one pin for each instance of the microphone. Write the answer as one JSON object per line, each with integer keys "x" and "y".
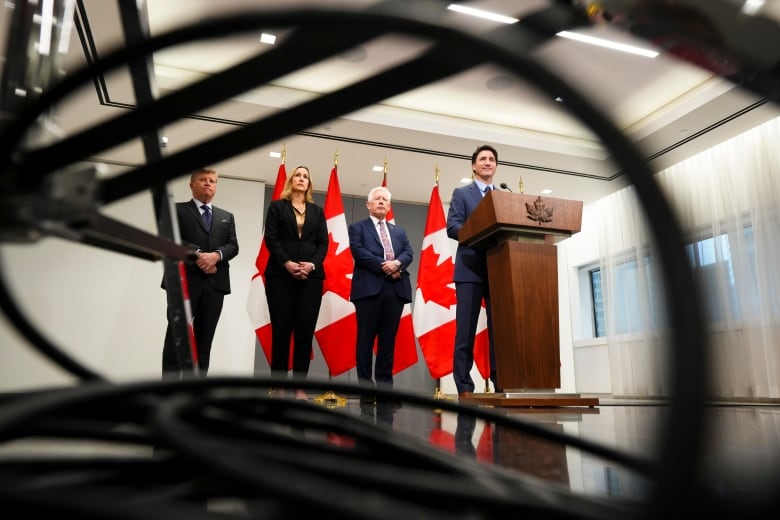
{"x": 504, "y": 186}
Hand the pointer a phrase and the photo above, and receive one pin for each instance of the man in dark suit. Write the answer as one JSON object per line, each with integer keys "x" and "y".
{"x": 471, "y": 281}
{"x": 381, "y": 286}
{"x": 211, "y": 231}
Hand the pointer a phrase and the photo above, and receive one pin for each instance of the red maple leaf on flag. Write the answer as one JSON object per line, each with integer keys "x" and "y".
{"x": 434, "y": 267}
{"x": 340, "y": 266}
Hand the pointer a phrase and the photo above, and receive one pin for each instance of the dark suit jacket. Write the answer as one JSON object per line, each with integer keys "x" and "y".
{"x": 366, "y": 247}
{"x": 470, "y": 263}
{"x": 281, "y": 238}
{"x": 222, "y": 237}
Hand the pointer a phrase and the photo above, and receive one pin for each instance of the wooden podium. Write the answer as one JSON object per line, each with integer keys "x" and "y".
{"x": 519, "y": 233}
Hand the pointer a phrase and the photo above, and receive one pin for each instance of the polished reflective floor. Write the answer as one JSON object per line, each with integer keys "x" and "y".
{"x": 738, "y": 449}
{"x": 741, "y": 446}
{"x": 207, "y": 449}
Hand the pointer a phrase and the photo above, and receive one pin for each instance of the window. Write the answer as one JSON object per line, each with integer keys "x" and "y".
{"x": 637, "y": 287}
{"x": 635, "y": 298}
{"x": 597, "y": 304}
{"x": 721, "y": 283}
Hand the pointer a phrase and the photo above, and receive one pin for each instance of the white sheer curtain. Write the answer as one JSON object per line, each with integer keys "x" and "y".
{"x": 631, "y": 292}
{"x": 727, "y": 201}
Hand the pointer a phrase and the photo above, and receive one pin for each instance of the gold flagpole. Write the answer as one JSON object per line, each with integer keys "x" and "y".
{"x": 330, "y": 399}
{"x": 437, "y": 393}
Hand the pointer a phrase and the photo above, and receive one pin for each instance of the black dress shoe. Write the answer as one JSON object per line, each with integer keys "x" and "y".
{"x": 367, "y": 399}
{"x": 465, "y": 395}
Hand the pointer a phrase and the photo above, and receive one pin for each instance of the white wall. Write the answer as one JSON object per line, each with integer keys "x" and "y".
{"x": 107, "y": 310}
{"x": 590, "y": 359}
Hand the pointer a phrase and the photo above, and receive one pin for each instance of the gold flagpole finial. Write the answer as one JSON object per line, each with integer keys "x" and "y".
{"x": 436, "y": 175}
{"x": 336, "y": 158}
{"x": 384, "y": 172}
{"x": 284, "y": 152}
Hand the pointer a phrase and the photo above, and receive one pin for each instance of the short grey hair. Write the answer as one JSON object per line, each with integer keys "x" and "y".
{"x": 378, "y": 188}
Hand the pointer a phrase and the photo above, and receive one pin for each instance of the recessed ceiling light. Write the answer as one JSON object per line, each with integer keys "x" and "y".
{"x": 601, "y": 42}
{"x": 546, "y": 191}
{"x": 378, "y": 168}
{"x": 270, "y": 39}
{"x": 275, "y": 154}
{"x": 752, "y": 7}
{"x": 465, "y": 180}
{"x": 480, "y": 13}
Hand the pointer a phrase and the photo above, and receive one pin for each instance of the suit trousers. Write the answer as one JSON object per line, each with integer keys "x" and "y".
{"x": 294, "y": 306}
{"x": 469, "y": 297}
{"x": 377, "y": 319}
{"x": 206, "y": 306}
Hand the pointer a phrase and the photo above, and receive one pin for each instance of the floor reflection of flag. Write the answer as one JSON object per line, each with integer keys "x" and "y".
{"x": 485, "y": 444}
{"x": 440, "y": 438}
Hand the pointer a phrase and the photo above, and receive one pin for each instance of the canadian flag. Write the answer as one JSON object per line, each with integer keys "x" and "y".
{"x": 482, "y": 345}
{"x": 434, "y": 304}
{"x": 405, "y": 354}
{"x": 256, "y": 303}
{"x": 336, "y": 329}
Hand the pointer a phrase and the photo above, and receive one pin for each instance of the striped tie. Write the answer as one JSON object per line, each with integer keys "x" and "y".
{"x": 206, "y": 217}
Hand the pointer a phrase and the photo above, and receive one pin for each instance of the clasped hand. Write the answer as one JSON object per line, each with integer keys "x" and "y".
{"x": 299, "y": 270}
{"x": 208, "y": 262}
{"x": 391, "y": 269}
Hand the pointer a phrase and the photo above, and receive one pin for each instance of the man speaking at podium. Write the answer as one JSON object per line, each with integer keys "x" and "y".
{"x": 471, "y": 277}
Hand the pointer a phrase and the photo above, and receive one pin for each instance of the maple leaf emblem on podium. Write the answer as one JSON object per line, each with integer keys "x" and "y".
{"x": 539, "y": 211}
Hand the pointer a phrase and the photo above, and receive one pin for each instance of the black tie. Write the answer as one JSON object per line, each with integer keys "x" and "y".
{"x": 206, "y": 217}
{"x": 487, "y": 189}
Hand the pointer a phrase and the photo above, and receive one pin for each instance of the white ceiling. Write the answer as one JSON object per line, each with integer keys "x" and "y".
{"x": 671, "y": 109}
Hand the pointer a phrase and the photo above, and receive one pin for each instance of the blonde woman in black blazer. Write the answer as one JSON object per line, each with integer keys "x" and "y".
{"x": 296, "y": 235}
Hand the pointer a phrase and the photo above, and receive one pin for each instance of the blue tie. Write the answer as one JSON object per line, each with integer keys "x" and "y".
{"x": 206, "y": 217}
